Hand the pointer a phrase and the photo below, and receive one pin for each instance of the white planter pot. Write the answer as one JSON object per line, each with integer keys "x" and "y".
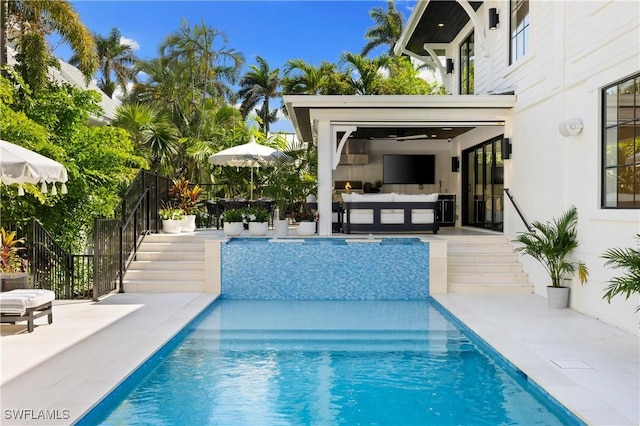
{"x": 233, "y": 228}
{"x": 188, "y": 223}
{"x": 306, "y": 228}
{"x": 258, "y": 228}
{"x": 281, "y": 227}
{"x": 558, "y": 297}
{"x": 171, "y": 226}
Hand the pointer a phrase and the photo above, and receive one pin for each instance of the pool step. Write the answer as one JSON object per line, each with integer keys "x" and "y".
{"x": 167, "y": 263}
{"x": 484, "y": 264}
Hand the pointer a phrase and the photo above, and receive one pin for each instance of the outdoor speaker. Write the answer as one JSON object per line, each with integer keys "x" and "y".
{"x": 455, "y": 164}
{"x": 570, "y": 127}
{"x": 506, "y": 148}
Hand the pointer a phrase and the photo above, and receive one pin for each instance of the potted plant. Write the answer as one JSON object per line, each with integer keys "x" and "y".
{"x": 550, "y": 243}
{"x": 258, "y": 220}
{"x": 13, "y": 267}
{"x": 288, "y": 183}
{"x": 233, "y": 222}
{"x": 189, "y": 199}
{"x": 306, "y": 222}
{"x": 171, "y": 219}
{"x": 629, "y": 283}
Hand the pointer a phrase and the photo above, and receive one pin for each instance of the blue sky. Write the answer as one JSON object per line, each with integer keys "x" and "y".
{"x": 314, "y": 31}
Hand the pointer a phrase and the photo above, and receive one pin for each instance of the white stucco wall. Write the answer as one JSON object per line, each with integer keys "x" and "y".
{"x": 577, "y": 49}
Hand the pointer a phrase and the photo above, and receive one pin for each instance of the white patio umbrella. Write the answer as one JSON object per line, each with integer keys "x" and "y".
{"x": 250, "y": 154}
{"x": 20, "y": 165}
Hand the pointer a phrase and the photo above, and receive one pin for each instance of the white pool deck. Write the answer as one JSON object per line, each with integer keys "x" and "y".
{"x": 65, "y": 368}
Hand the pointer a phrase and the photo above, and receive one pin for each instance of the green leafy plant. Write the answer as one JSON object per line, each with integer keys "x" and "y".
{"x": 10, "y": 259}
{"x": 255, "y": 214}
{"x": 306, "y": 215}
{"x": 186, "y": 197}
{"x": 171, "y": 213}
{"x": 628, "y": 283}
{"x": 233, "y": 215}
{"x": 550, "y": 243}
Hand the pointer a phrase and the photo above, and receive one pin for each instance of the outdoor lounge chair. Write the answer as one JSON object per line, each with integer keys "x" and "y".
{"x": 26, "y": 305}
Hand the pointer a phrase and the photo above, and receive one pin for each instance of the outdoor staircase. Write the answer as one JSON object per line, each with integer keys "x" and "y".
{"x": 167, "y": 263}
{"x": 484, "y": 264}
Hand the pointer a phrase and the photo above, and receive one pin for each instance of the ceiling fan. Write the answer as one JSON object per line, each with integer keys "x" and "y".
{"x": 399, "y": 138}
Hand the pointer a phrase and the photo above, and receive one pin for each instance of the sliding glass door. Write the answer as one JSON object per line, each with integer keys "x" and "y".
{"x": 483, "y": 183}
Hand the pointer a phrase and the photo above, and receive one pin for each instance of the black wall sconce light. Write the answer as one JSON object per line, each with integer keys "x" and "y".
{"x": 506, "y": 148}
{"x": 494, "y": 18}
{"x": 449, "y": 65}
{"x": 455, "y": 164}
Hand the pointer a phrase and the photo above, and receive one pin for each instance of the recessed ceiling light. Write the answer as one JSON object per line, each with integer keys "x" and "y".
{"x": 433, "y": 136}
{"x": 447, "y": 128}
{"x": 441, "y": 24}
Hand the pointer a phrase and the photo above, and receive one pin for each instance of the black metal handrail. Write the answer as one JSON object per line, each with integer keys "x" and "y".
{"x": 115, "y": 243}
{"x": 515, "y": 205}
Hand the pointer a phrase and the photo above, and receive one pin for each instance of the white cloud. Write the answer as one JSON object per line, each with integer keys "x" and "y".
{"x": 131, "y": 42}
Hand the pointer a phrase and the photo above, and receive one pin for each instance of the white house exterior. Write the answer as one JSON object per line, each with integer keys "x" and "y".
{"x": 559, "y": 79}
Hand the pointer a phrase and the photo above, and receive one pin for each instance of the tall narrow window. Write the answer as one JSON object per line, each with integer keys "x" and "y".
{"x": 467, "y": 59}
{"x": 621, "y": 145}
{"x": 519, "y": 30}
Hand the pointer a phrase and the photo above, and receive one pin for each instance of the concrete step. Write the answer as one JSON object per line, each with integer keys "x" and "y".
{"x": 163, "y": 286}
{"x": 174, "y": 238}
{"x": 475, "y": 239}
{"x": 179, "y": 247}
{"x": 481, "y": 258}
{"x": 494, "y": 288}
{"x": 170, "y": 256}
{"x": 157, "y": 265}
{"x": 499, "y": 268}
{"x": 477, "y": 248}
{"x": 164, "y": 275}
{"x": 481, "y": 278}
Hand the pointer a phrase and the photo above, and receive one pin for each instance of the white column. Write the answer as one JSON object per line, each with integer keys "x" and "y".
{"x": 325, "y": 177}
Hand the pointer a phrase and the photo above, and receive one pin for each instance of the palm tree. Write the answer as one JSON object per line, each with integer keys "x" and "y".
{"x": 550, "y": 244}
{"x": 388, "y": 28}
{"x": 303, "y": 78}
{"x": 260, "y": 83}
{"x": 367, "y": 70}
{"x": 36, "y": 19}
{"x": 114, "y": 58}
{"x": 209, "y": 68}
{"x": 627, "y": 258}
{"x": 153, "y": 133}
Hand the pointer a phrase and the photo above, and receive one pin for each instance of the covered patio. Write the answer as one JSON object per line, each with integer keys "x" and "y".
{"x": 440, "y": 125}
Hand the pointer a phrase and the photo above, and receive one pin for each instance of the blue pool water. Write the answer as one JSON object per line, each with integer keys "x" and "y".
{"x": 292, "y": 362}
{"x": 325, "y": 268}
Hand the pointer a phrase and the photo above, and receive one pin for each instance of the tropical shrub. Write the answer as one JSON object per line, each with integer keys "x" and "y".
{"x": 550, "y": 243}
{"x": 629, "y": 282}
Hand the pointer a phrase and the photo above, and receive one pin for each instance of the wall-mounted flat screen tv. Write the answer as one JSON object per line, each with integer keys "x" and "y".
{"x": 406, "y": 169}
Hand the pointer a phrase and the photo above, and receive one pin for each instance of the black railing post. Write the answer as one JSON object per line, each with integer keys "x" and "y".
{"x": 97, "y": 253}
{"x": 121, "y": 262}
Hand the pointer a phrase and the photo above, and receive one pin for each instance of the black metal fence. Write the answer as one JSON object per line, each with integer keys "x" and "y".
{"x": 69, "y": 276}
{"x": 115, "y": 242}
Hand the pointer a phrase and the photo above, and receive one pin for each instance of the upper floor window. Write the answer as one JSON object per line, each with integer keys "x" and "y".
{"x": 467, "y": 65}
{"x": 621, "y": 144}
{"x": 519, "y": 29}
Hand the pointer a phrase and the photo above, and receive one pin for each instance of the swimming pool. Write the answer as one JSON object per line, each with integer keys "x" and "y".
{"x": 327, "y": 362}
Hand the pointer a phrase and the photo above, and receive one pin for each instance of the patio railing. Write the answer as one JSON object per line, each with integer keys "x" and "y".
{"x": 69, "y": 276}
{"x": 115, "y": 243}
{"x": 515, "y": 205}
